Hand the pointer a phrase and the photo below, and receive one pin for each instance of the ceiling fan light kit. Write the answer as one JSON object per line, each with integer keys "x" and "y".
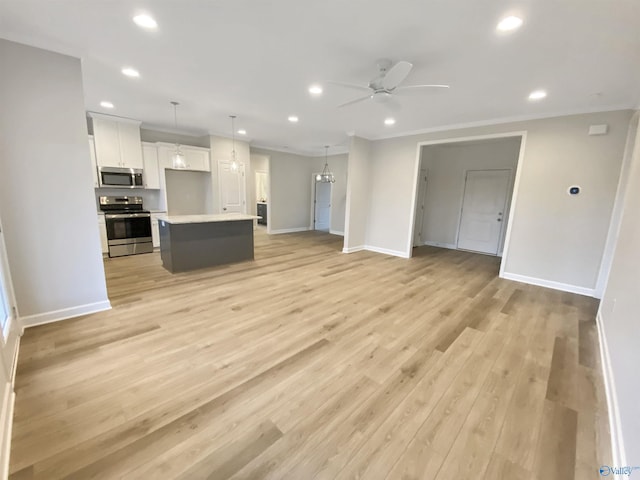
{"x": 386, "y": 84}
{"x": 177, "y": 159}
{"x": 234, "y": 162}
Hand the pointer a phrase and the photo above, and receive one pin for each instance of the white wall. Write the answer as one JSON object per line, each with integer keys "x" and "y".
{"x": 619, "y": 315}
{"x": 54, "y": 252}
{"x": 616, "y": 216}
{"x": 446, "y": 165}
{"x": 555, "y": 239}
{"x": 359, "y": 190}
{"x": 338, "y": 166}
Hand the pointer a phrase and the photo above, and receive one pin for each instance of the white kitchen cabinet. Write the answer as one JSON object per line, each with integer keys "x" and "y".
{"x": 196, "y": 158}
{"x": 94, "y": 164}
{"x": 117, "y": 141}
{"x": 102, "y": 227}
{"x": 151, "y": 171}
{"x": 155, "y": 230}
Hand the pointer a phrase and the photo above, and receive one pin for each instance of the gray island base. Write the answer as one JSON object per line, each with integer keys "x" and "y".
{"x": 191, "y": 242}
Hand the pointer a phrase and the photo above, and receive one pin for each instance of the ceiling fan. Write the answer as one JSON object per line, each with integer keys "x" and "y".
{"x": 386, "y": 84}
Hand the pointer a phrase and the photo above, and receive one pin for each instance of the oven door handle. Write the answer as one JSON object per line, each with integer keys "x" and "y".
{"x": 111, "y": 216}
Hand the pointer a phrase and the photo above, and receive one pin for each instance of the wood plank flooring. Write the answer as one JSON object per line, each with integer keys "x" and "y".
{"x": 311, "y": 364}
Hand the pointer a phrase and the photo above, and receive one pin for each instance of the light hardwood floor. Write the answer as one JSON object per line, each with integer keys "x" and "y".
{"x": 311, "y": 364}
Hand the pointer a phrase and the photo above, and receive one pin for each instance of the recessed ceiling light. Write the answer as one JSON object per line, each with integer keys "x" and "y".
{"x": 389, "y": 121}
{"x": 145, "y": 21}
{"x": 537, "y": 95}
{"x": 242, "y": 132}
{"x": 130, "y": 72}
{"x": 315, "y": 90}
{"x": 508, "y": 24}
{"x": 293, "y": 118}
{"x": 106, "y": 104}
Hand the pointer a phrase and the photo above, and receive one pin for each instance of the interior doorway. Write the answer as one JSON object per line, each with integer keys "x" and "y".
{"x": 420, "y": 208}
{"x": 322, "y": 206}
{"x": 465, "y": 200}
{"x": 483, "y": 207}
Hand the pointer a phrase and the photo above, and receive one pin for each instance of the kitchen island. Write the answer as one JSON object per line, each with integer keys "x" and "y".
{"x": 190, "y": 242}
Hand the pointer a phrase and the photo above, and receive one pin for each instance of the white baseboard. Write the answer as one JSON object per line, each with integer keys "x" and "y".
{"x": 386, "y": 251}
{"x": 289, "y": 230}
{"x": 615, "y": 424}
{"x": 6, "y": 420}
{"x": 451, "y": 246}
{"x": 64, "y": 314}
{"x": 565, "y": 287}
{"x": 336, "y": 232}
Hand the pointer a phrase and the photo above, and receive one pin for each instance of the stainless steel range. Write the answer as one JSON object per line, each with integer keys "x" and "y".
{"x": 128, "y": 226}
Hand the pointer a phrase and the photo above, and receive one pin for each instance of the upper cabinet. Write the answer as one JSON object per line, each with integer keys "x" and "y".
{"x": 151, "y": 171}
{"x": 196, "y": 158}
{"x": 117, "y": 141}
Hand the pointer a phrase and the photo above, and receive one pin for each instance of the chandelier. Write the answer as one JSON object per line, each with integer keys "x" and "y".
{"x": 326, "y": 176}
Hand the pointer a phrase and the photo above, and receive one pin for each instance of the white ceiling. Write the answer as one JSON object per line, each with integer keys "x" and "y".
{"x": 256, "y": 59}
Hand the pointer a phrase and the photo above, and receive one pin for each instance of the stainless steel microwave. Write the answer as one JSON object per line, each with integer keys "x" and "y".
{"x": 112, "y": 177}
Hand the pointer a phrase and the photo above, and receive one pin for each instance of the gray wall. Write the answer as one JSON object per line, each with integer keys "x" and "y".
{"x": 619, "y": 310}
{"x": 290, "y": 177}
{"x": 259, "y": 163}
{"x": 358, "y": 193}
{"x": 54, "y": 252}
{"x": 556, "y": 239}
{"x": 187, "y": 192}
{"x": 446, "y": 166}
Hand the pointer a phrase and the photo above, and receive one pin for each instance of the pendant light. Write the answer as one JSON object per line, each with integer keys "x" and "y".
{"x": 234, "y": 161}
{"x": 326, "y": 176}
{"x": 177, "y": 159}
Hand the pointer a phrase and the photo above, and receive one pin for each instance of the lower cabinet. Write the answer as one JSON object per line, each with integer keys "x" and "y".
{"x": 102, "y": 228}
{"x": 155, "y": 230}
{"x": 262, "y": 212}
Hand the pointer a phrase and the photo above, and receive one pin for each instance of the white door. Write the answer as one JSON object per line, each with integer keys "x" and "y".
{"x": 322, "y": 206}
{"x": 422, "y": 195}
{"x": 483, "y": 210}
{"x": 232, "y": 191}
{"x": 9, "y": 330}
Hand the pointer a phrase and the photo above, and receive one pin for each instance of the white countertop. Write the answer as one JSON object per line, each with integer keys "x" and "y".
{"x": 223, "y": 217}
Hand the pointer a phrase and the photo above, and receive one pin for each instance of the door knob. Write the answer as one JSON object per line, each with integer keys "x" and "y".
{"x": 499, "y": 219}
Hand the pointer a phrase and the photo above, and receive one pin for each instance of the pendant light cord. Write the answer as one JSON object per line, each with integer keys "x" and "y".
{"x": 233, "y": 137}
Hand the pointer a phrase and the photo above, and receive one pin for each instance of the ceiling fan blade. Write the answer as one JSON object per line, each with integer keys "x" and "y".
{"x": 413, "y": 87}
{"x": 362, "y": 88}
{"x": 396, "y": 75}
{"x": 357, "y": 100}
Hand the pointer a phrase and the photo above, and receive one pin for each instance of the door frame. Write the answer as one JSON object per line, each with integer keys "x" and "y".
{"x": 426, "y": 184}
{"x": 514, "y": 195}
{"x": 506, "y": 208}
{"x": 12, "y": 331}
{"x": 312, "y": 217}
